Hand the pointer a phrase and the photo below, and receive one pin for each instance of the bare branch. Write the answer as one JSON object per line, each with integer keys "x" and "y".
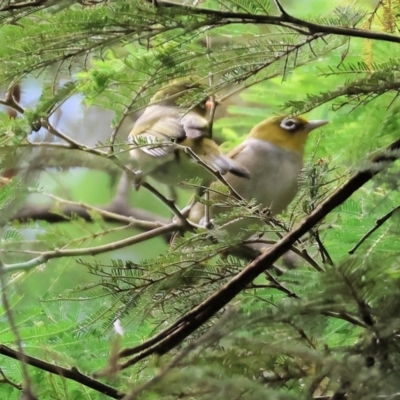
{"x": 110, "y": 215}
{"x": 11, "y": 101}
{"x": 73, "y": 144}
{"x": 47, "y": 213}
{"x": 301, "y": 253}
{"x": 90, "y": 251}
{"x": 4, "y": 379}
{"x": 217, "y": 174}
{"x": 281, "y": 9}
{"x": 169, "y": 203}
{"x": 345, "y": 317}
{"x": 378, "y": 223}
{"x": 285, "y": 20}
{"x": 68, "y": 373}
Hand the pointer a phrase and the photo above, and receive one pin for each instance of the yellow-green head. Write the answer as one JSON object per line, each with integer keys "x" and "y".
{"x": 290, "y": 133}
{"x": 178, "y": 88}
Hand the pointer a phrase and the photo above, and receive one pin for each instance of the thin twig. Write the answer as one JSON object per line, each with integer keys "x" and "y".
{"x": 10, "y": 101}
{"x": 280, "y": 8}
{"x": 279, "y": 286}
{"x": 214, "y": 104}
{"x": 8, "y": 381}
{"x": 302, "y": 333}
{"x": 103, "y": 212}
{"x": 47, "y": 213}
{"x": 67, "y": 373}
{"x": 378, "y": 223}
{"x": 90, "y": 251}
{"x": 14, "y": 330}
{"x": 326, "y": 258}
{"x": 301, "y": 253}
{"x": 44, "y": 144}
{"x": 169, "y": 203}
{"x": 217, "y": 174}
{"x": 73, "y": 143}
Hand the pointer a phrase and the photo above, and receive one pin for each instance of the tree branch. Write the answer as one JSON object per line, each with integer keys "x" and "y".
{"x": 106, "y": 212}
{"x": 90, "y": 251}
{"x": 206, "y": 340}
{"x": 69, "y": 373}
{"x": 378, "y": 223}
{"x": 64, "y": 214}
{"x": 284, "y": 19}
{"x": 11, "y": 101}
{"x": 5, "y": 379}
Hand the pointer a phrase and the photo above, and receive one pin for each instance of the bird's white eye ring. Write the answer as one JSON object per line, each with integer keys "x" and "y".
{"x": 289, "y": 124}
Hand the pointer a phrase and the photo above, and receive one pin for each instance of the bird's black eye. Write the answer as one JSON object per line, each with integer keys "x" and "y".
{"x": 289, "y": 124}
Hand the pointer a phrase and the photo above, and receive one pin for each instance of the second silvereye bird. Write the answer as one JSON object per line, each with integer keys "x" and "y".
{"x": 273, "y": 154}
{"x": 159, "y": 133}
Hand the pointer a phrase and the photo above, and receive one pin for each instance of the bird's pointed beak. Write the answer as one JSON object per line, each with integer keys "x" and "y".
{"x": 311, "y": 125}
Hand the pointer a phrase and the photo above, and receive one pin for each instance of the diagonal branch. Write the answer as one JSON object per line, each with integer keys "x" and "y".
{"x": 281, "y": 9}
{"x": 378, "y": 223}
{"x": 68, "y": 373}
{"x": 187, "y": 324}
{"x": 5, "y": 379}
{"x": 214, "y": 334}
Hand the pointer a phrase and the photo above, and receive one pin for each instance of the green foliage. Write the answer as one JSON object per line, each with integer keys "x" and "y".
{"x": 318, "y": 323}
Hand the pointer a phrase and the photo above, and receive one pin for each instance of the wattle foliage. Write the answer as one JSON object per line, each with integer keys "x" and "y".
{"x": 321, "y": 324}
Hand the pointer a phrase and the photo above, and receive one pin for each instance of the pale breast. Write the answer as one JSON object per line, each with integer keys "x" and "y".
{"x": 273, "y": 182}
{"x": 274, "y": 174}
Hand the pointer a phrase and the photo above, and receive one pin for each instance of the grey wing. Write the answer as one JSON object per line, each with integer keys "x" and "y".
{"x": 194, "y": 125}
{"x": 157, "y": 139}
{"x": 225, "y": 164}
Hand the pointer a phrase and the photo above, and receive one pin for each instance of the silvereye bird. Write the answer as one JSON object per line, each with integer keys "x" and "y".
{"x": 163, "y": 126}
{"x": 273, "y": 154}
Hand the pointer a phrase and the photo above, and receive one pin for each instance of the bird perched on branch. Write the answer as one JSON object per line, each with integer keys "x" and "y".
{"x": 166, "y": 140}
{"x": 273, "y": 154}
